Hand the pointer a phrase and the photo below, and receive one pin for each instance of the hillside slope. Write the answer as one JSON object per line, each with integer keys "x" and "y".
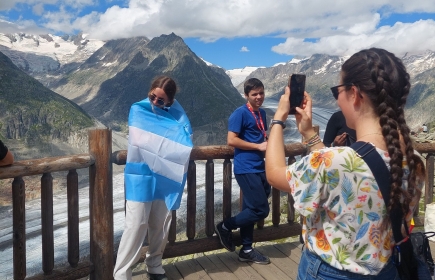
{"x": 33, "y": 116}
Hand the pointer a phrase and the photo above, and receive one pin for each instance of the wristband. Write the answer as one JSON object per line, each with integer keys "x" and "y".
{"x": 272, "y": 122}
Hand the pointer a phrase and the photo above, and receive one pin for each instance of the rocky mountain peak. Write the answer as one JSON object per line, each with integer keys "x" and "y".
{"x": 158, "y": 44}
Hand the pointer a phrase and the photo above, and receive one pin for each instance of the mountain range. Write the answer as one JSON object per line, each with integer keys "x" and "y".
{"x": 119, "y": 73}
{"x": 323, "y": 72}
{"x": 35, "y": 120}
{"x": 105, "y": 78}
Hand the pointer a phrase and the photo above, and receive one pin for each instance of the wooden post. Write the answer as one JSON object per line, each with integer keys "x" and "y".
{"x": 72, "y": 185}
{"x": 47, "y": 223}
{"x": 429, "y": 180}
{"x": 101, "y": 204}
{"x": 172, "y": 236}
{"x": 191, "y": 201}
{"x": 290, "y": 200}
{"x": 276, "y": 213}
{"x": 209, "y": 197}
{"x": 19, "y": 227}
{"x": 227, "y": 185}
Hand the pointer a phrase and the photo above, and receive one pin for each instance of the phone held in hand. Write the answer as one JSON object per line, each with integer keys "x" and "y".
{"x": 297, "y": 89}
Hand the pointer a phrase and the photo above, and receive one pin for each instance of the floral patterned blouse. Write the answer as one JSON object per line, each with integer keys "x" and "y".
{"x": 343, "y": 207}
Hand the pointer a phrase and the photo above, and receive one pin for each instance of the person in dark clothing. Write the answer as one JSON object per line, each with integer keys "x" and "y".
{"x": 6, "y": 157}
{"x": 337, "y": 133}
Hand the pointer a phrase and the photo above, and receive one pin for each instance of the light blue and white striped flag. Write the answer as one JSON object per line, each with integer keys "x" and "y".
{"x": 159, "y": 146}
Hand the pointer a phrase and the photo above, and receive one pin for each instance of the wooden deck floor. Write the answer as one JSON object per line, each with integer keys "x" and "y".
{"x": 284, "y": 265}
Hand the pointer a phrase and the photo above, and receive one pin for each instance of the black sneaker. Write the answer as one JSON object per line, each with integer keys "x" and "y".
{"x": 253, "y": 256}
{"x": 152, "y": 276}
{"x": 225, "y": 236}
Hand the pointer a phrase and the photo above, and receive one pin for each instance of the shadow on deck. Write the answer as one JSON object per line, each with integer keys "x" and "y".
{"x": 284, "y": 259}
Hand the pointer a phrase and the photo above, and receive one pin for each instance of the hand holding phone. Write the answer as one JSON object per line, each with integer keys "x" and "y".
{"x": 297, "y": 88}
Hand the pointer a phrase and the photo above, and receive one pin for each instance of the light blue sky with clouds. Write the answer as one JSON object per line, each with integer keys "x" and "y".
{"x": 237, "y": 33}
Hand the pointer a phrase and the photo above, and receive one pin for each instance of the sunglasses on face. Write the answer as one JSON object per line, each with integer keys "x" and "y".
{"x": 160, "y": 101}
{"x": 336, "y": 92}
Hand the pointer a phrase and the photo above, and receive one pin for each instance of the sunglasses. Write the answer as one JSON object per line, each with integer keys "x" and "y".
{"x": 335, "y": 91}
{"x": 153, "y": 97}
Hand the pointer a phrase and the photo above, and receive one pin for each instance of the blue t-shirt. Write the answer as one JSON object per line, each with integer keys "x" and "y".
{"x": 242, "y": 122}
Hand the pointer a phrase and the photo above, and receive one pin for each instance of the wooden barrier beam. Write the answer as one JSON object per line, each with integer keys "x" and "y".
{"x": 214, "y": 152}
{"x": 46, "y": 165}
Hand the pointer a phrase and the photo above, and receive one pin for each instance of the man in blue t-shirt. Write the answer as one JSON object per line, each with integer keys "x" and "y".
{"x": 247, "y": 134}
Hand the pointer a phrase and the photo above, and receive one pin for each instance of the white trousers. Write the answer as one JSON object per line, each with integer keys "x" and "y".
{"x": 142, "y": 219}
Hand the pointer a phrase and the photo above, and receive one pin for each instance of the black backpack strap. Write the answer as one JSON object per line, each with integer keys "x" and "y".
{"x": 368, "y": 153}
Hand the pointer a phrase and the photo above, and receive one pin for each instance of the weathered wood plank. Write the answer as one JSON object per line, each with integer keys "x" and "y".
{"x": 216, "y": 152}
{"x": 249, "y": 271}
{"x": 428, "y": 195}
{"x": 191, "y": 201}
{"x": 269, "y": 271}
{"x": 46, "y": 165}
{"x": 83, "y": 269}
{"x": 226, "y": 185}
{"x": 280, "y": 260}
{"x": 73, "y": 217}
{"x": 290, "y": 250}
{"x": 47, "y": 223}
{"x": 212, "y": 269}
{"x": 19, "y": 227}
{"x": 291, "y": 214}
{"x": 172, "y": 272}
{"x": 224, "y": 271}
{"x": 276, "y": 207}
{"x": 101, "y": 204}
{"x": 173, "y": 228}
{"x": 209, "y": 197}
{"x": 190, "y": 269}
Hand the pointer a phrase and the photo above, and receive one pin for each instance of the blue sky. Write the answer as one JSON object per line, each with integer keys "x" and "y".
{"x": 238, "y": 33}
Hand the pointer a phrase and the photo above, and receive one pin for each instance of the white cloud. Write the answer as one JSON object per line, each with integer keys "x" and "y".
{"x": 244, "y": 49}
{"x": 38, "y": 9}
{"x": 339, "y": 26}
{"x": 399, "y": 39}
{"x": 21, "y": 26}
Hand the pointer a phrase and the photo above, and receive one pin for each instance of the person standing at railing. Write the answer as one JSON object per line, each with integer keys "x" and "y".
{"x": 6, "y": 157}
{"x": 337, "y": 133}
{"x": 347, "y": 227}
{"x": 247, "y": 134}
{"x": 159, "y": 146}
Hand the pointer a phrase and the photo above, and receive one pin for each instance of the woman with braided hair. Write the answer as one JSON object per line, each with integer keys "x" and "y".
{"x": 346, "y": 226}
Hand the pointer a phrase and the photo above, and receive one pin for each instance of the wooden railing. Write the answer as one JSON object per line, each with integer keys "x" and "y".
{"x": 99, "y": 162}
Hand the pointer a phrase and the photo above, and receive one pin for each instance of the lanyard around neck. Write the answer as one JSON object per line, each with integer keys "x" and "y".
{"x": 260, "y": 124}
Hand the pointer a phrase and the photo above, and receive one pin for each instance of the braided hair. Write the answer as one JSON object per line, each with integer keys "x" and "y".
{"x": 383, "y": 78}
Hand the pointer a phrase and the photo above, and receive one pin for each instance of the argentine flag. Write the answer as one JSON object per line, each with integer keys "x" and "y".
{"x": 159, "y": 146}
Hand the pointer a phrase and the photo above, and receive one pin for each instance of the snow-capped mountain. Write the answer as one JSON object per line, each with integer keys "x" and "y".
{"x": 419, "y": 63}
{"x": 51, "y": 59}
{"x": 239, "y": 75}
{"x": 45, "y": 53}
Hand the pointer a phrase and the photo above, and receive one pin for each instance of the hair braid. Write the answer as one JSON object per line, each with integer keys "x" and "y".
{"x": 383, "y": 78}
{"x": 416, "y": 166}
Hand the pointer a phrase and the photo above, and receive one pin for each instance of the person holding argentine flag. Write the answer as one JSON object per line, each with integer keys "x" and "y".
{"x": 159, "y": 146}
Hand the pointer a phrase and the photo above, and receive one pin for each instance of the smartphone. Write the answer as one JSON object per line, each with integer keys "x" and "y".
{"x": 297, "y": 89}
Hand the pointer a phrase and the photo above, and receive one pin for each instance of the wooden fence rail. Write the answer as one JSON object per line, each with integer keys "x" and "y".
{"x": 99, "y": 162}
